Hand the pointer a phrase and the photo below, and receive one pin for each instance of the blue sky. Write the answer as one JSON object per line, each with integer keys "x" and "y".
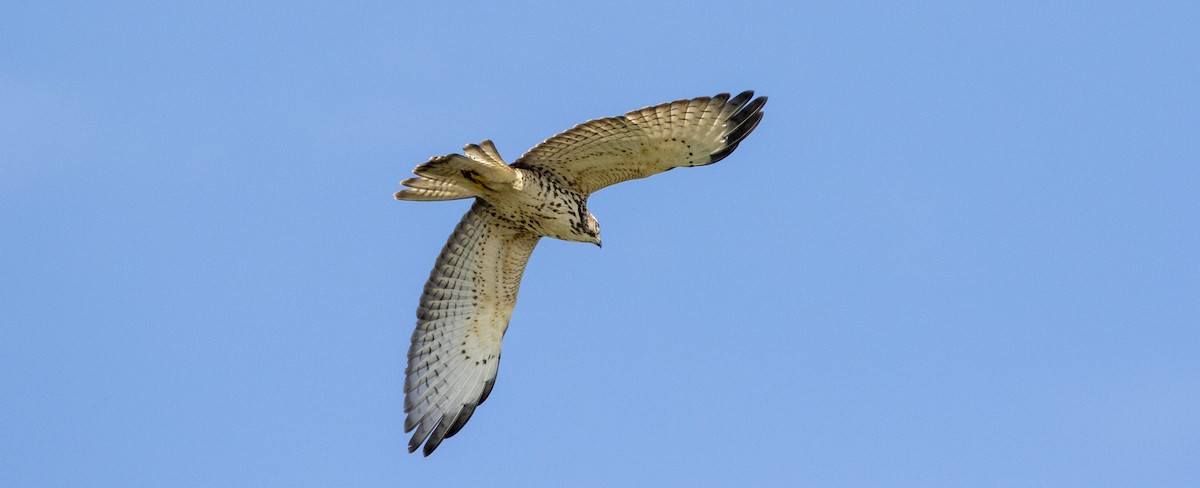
{"x": 962, "y": 248}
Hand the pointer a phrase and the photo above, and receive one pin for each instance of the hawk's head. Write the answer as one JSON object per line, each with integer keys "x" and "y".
{"x": 584, "y": 227}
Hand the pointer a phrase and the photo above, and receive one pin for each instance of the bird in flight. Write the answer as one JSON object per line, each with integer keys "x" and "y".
{"x": 468, "y": 300}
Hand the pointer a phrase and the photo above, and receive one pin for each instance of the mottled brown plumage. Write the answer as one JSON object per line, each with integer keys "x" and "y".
{"x": 468, "y": 300}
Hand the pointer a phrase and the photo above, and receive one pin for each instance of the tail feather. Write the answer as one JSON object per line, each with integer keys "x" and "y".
{"x": 455, "y": 176}
{"x": 485, "y": 152}
{"x": 456, "y": 167}
{"x": 429, "y": 190}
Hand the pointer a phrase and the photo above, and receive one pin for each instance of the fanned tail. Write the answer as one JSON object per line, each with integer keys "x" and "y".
{"x": 455, "y": 176}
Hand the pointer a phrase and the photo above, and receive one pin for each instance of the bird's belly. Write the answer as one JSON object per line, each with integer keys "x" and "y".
{"x": 546, "y": 217}
{"x": 541, "y": 221}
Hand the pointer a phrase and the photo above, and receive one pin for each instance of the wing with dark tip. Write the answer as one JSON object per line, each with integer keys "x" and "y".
{"x": 462, "y": 317}
{"x": 603, "y": 152}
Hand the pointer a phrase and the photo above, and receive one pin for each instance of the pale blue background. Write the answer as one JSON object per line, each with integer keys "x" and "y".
{"x": 961, "y": 249}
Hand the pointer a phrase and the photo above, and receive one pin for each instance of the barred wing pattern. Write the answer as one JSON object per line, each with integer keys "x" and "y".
{"x": 464, "y": 311}
{"x": 644, "y": 142}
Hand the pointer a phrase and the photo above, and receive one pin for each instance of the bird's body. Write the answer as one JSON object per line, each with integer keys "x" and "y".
{"x": 546, "y": 208}
{"x": 468, "y": 300}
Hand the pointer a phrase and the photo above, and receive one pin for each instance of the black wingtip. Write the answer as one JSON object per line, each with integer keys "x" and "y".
{"x": 745, "y": 120}
{"x": 741, "y": 99}
{"x": 463, "y": 417}
{"x": 744, "y": 129}
{"x": 432, "y": 442}
{"x": 744, "y": 113}
{"x": 487, "y": 389}
{"x": 418, "y": 437}
{"x": 723, "y": 153}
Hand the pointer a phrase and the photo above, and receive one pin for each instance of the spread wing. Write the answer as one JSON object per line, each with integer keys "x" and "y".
{"x": 463, "y": 314}
{"x": 603, "y": 152}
